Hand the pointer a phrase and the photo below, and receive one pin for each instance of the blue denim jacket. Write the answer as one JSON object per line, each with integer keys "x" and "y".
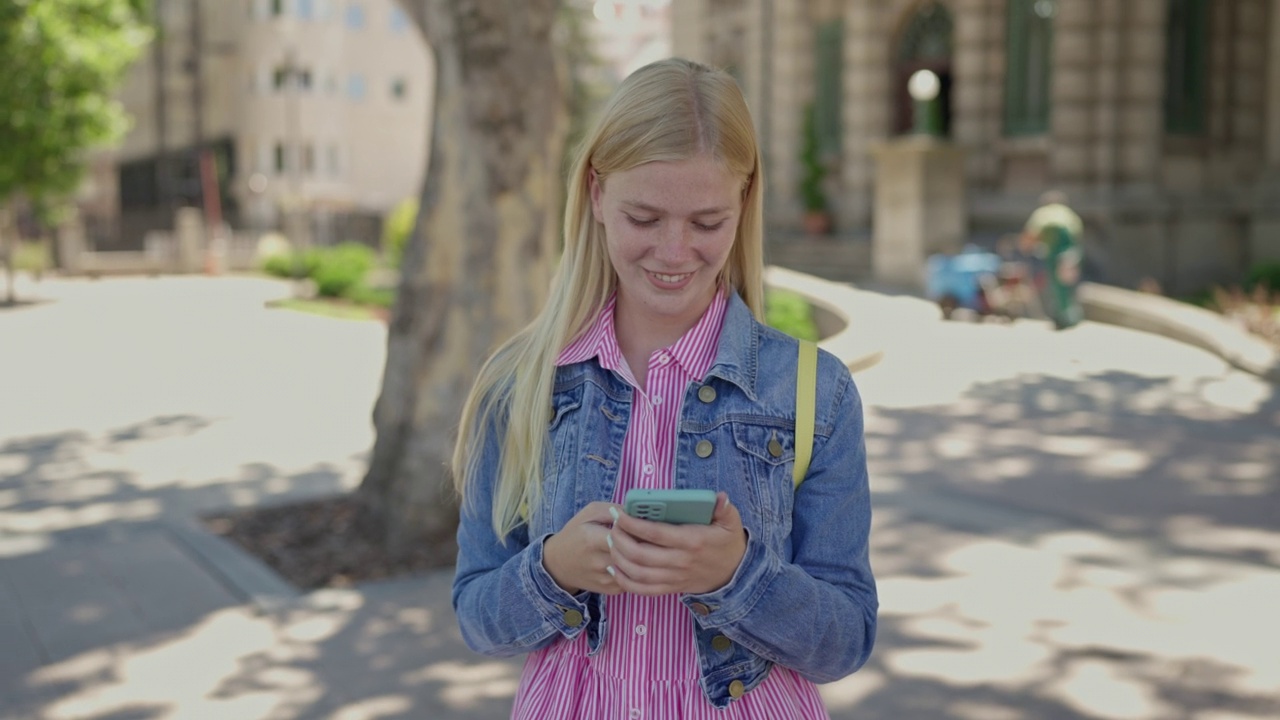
{"x": 803, "y": 596}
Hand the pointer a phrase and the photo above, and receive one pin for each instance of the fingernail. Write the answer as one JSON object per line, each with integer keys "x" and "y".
{"x": 613, "y": 513}
{"x": 608, "y": 539}
{"x": 609, "y": 569}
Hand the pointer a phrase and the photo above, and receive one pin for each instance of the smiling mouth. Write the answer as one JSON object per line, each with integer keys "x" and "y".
{"x": 671, "y": 278}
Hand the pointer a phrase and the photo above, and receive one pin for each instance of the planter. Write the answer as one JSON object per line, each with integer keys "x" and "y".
{"x": 816, "y": 222}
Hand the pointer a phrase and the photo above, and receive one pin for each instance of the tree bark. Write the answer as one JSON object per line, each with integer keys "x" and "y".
{"x": 478, "y": 263}
{"x": 8, "y": 246}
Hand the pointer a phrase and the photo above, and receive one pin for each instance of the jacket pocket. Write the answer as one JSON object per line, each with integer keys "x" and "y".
{"x": 768, "y": 449}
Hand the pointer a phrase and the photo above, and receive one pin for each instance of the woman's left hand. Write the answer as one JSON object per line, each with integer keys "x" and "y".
{"x": 654, "y": 558}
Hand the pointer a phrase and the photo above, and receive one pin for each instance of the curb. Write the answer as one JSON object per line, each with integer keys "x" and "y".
{"x": 1182, "y": 322}
{"x": 241, "y": 573}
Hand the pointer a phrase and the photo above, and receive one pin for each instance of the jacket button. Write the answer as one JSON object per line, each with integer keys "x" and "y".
{"x": 720, "y": 643}
{"x": 706, "y": 393}
{"x": 775, "y": 447}
{"x": 700, "y": 609}
{"x": 703, "y": 448}
{"x": 737, "y": 689}
{"x": 572, "y": 618}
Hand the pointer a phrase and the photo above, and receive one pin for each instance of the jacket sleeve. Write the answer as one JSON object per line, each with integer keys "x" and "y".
{"x": 505, "y": 600}
{"x": 816, "y": 613}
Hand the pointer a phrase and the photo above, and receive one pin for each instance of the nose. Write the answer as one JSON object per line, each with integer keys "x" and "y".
{"x": 675, "y": 245}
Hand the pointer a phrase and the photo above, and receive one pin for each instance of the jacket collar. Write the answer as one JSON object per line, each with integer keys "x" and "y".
{"x": 738, "y": 354}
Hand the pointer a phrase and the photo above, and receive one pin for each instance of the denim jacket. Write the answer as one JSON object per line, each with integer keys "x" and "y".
{"x": 803, "y": 596}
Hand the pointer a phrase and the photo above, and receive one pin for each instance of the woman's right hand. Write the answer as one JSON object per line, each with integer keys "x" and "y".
{"x": 576, "y": 557}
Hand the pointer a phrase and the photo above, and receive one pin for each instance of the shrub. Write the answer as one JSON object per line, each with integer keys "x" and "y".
{"x": 397, "y": 229}
{"x": 377, "y": 297}
{"x": 32, "y": 257}
{"x": 338, "y": 269}
{"x": 1266, "y": 275}
{"x": 790, "y": 313}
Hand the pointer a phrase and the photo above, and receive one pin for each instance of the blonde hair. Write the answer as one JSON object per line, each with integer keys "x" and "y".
{"x": 669, "y": 110}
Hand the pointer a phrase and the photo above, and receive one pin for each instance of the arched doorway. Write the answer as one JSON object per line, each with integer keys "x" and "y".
{"x": 925, "y": 42}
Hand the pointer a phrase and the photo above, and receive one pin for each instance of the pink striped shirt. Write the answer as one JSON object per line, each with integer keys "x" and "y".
{"x": 648, "y": 665}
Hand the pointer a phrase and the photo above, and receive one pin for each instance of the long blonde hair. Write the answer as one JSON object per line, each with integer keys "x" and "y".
{"x": 669, "y": 110}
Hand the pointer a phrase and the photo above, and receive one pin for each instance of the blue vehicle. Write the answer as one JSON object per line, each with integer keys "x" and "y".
{"x": 974, "y": 279}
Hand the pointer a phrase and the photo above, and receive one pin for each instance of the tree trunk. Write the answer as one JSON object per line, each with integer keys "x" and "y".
{"x": 478, "y": 263}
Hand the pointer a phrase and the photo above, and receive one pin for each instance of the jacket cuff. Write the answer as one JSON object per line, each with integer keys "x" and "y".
{"x": 569, "y": 614}
{"x": 732, "y": 602}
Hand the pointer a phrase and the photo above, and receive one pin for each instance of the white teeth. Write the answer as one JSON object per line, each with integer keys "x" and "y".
{"x": 670, "y": 278}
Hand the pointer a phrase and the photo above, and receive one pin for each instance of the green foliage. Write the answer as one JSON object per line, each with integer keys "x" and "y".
{"x": 790, "y": 313}
{"x": 63, "y": 60}
{"x": 1265, "y": 274}
{"x": 397, "y": 229}
{"x": 377, "y": 297}
{"x": 339, "y": 269}
{"x": 812, "y": 170}
{"x": 32, "y": 257}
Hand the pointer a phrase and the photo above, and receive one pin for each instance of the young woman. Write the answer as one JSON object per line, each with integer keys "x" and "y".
{"x": 649, "y": 368}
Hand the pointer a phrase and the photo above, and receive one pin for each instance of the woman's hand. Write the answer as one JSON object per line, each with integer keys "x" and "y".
{"x": 576, "y": 557}
{"x": 654, "y": 558}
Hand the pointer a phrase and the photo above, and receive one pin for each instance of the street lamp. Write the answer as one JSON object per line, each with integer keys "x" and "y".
{"x": 924, "y": 87}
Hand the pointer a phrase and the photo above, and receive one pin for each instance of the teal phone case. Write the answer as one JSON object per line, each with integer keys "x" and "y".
{"x": 678, "y": 507}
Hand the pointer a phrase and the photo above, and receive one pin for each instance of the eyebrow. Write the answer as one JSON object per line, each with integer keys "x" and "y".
{"x": 659, "y": 211}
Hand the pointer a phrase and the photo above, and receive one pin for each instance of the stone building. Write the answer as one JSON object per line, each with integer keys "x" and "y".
{"x": 316, "y": 112}
{"x": 1160, "y": 118}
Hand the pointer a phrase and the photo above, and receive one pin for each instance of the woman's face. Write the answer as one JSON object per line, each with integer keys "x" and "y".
{"x": 669, "y": 227}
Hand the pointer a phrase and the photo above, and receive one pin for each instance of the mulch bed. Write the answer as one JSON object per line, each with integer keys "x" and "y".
{"x": 332, "y": 542}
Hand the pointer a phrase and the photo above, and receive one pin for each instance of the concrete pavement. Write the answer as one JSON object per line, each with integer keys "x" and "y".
{"x": 1068, "y": 525}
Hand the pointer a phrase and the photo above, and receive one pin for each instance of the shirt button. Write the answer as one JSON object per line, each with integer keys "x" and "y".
{"x": 737, "y": 689}
{"x": 635, "y": 713}
{"x": 572, "y": 618}
{"x": 703, "y": 448}
{"x": 664, "y": 358}
{"x": 657, "y": 399}
{"x": 706, "y": 393}
{"x": 640, "y": 629}
{"x": 648, "y": 469}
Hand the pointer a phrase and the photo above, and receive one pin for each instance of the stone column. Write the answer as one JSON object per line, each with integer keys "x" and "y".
{"x": 792, "y": 83}
{"x": 866, "y": 105}
{"x": 1071, "y": 112}
{"x": 188, "y": 233}
{"x": 978, "y": 90}
{"x": 1106, "y": 111}
{"x": 1142, "y": 78}
{"x": 920, "y": 206}
{"x": 688, "y": 35}
{"x": 1273, "y": 91}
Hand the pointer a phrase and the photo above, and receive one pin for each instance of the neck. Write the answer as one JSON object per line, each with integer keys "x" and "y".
{"x": 640, "y": 333}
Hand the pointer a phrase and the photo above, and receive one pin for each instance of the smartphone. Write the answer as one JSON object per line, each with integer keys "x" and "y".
{"x": 678, "y": 507}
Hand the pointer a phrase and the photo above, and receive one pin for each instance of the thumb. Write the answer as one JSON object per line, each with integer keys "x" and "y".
{"x": 726, "y": 514}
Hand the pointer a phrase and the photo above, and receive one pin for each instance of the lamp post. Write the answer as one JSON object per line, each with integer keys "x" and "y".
{"x": 924, "y": 87}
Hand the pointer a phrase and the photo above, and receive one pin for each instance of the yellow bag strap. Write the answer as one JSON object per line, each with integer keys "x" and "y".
{"x": 806, "y": 402}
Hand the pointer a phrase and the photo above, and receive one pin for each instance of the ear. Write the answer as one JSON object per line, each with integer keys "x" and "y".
{"x": 596, "y": 187}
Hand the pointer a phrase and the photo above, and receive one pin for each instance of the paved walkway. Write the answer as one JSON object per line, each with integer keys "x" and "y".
{"x": 1069, "y": 525}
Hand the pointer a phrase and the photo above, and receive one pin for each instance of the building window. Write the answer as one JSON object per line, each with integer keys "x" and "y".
{"x": 399, "y": 88}
{"x": 282, "y": 161}
{"x": 1028, "y": 63}
{"x": 277, "y": 8}
{"x": 355, "y": 16}
{"x": 1186, "y": 67}
{"x": 399, "y": 21}
{"x": 355, "y": 87}
{"x": 828, "y": 102}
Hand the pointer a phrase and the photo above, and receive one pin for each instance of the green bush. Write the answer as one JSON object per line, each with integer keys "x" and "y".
{"x": 339, "y": 269}
{"x": 397, "y": 229}
{"x": 790, "y": 313}
{"x": 1264, "y": 274}
{"x": 32, "y": 257}
{"x": 378, "y": 297}
{"x": 282, "y": 265}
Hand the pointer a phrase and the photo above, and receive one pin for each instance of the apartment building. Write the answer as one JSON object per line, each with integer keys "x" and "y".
{"x": 311, "y": 109}
{"x": 1160, "y": 118}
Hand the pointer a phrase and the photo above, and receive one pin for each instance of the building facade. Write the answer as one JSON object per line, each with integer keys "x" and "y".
{"x": 315, "y": 112}
{"x": 1159, "y": 118}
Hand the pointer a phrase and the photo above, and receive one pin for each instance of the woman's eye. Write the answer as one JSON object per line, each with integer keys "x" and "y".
{"x": 708, "y": 228}
{"x": 642, "y": 223}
